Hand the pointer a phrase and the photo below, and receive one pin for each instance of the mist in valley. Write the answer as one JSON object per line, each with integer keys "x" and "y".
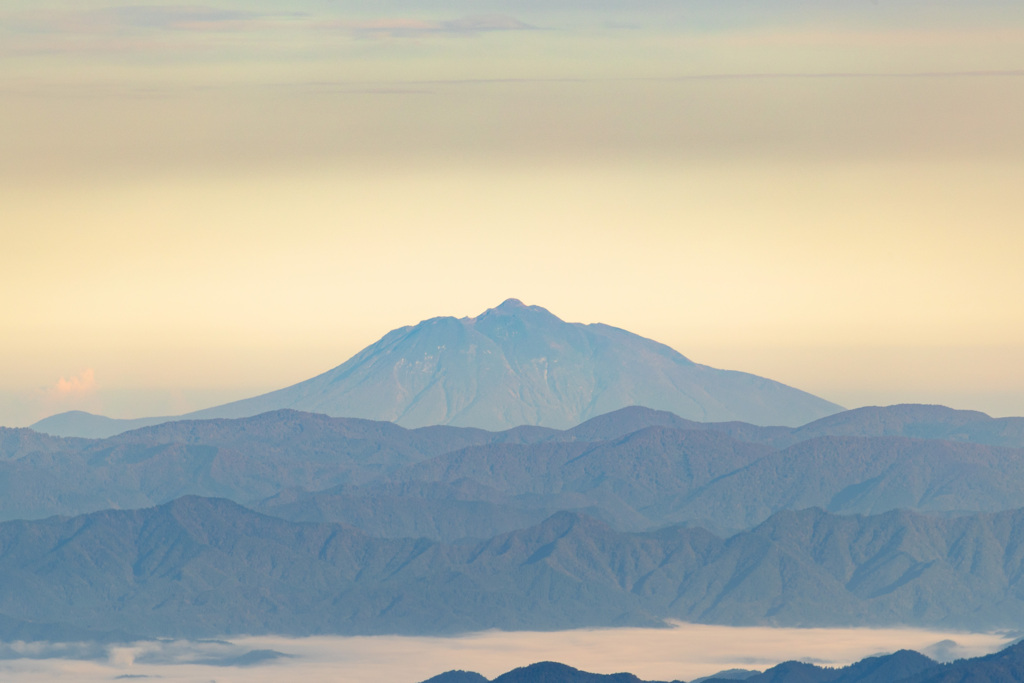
{"x": 682, "y": 652}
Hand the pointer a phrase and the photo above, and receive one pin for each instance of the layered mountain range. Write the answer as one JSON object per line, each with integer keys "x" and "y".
{"x": 637, "y": 469}
{"x": 511, "y": 365}
{"x": 202, "y": 567}
{"x": 631, "y": 518}
{"x": 616, "y": 483}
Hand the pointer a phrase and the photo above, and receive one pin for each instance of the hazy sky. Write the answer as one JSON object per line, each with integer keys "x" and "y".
{"x": 202, "y": 201}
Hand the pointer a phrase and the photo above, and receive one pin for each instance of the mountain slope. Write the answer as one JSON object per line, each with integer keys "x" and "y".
{"x": 79, "y": 423}
{"x": 553, "y": 672}
{"x": 518, "y": 364}
{"x": 311, "y": 467}
{"x": 897, "y": 666}
{"x": 200, "y": 567}
{"x": 636, "y": 469}
{"x": 245, "y": 460}
{"x": 512, "y": 365}
{"x": 864, "y": 475}
{"x": 1005, "y": 666}
{"x": 917, "y": 422}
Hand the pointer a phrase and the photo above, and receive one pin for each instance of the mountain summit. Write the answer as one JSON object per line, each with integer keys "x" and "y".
{"x": 522, "y": 365}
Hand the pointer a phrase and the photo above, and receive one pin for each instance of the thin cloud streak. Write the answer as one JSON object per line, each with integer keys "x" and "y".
{"x": 177, "y": 17}
{"x": 401, "y": 86}
{"x": 404, "y": 27}
{"x": 1012, "y": 73}
{"x": 200, "y": 19}
{"x": 196, "y": 18}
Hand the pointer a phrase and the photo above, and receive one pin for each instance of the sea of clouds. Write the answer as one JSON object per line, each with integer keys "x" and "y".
{"x": 684, "y": 652}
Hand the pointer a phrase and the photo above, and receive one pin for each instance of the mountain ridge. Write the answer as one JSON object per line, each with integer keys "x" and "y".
{"x": 903, "y": 666}
{"x": 204, "y": 567}
{"x": 635, "y": 468}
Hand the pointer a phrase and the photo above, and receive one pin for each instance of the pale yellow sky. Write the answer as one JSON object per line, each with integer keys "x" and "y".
{"x": 196, "y": 206}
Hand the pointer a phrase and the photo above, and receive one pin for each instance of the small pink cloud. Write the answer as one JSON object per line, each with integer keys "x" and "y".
{"x": 75, "y": 386}
{"x": 77, "y": 392}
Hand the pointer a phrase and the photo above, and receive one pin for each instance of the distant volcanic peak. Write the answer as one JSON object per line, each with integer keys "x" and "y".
{"x": 440, "y": 324}
{"x": 512, "y": 365}
{"x": 516, "y": 308}
{"x": 618, "y": 335}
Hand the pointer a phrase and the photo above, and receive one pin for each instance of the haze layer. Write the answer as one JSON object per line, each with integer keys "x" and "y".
{"x": 208, "y": 201}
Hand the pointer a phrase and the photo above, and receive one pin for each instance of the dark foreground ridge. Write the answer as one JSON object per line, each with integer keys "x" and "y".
{"x": 541, "y": 672}
{"x": 1006, "y": 666}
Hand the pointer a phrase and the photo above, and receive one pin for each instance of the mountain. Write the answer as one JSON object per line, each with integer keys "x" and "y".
{"x": 541, "y": 672}
{"x": 909, "y": 420}
{"x": 891, "y": 668}
{"x": 905, "y": 666}
{"x": 915, "y": 421}
{"x": 282, "y": 455}
{"x": 636, "y": 469}
{"x": 457, "y": 677}
{"x": 863, "y": 475}
{"x": 18, "y": 443}
{"x": 1006, "y": 666}
{"x": 201, "y": 567}
{"x": 512, "y": 365}
{"x": 728, "y": 675}
{"x": 246, "y": 460}
{"x": 553, "y": 672}
{"x": 659, "y": 476}
{"x": 88, "y": 426}
{"x": 631, "y": 482}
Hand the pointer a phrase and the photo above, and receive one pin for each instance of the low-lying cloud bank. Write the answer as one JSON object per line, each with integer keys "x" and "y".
{"x": 684, "y": 652}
